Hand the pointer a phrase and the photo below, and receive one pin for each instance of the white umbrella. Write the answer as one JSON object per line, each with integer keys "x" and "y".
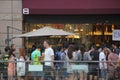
{"x": 46, "y": 31}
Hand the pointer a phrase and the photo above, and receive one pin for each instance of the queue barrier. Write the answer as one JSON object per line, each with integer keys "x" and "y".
{"x": 35, "y": 67}
{"x": 79, "y": 66}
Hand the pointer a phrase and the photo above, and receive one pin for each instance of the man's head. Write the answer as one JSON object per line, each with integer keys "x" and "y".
{"x": 46, "y": 43}
{"x": 38, "y": 47}
{"x": 13, "y": 46}
{"x": 66, "y": 45}
{"x": 93, "y": 47}
{"x": 114, "y": 45}
{"x": 7, "y": 49}
{"x": 104, "y": 48}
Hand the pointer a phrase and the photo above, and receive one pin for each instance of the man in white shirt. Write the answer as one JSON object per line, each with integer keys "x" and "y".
{"x": 102, "y": 63}
{"x": 48, "y": 58}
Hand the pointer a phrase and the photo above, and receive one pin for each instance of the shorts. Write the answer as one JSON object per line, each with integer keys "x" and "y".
{"x": 37, "y": 74}
{"x": 93, "y": 70}
{"x": 49, "y": 72}
{"x": 63, "y": 73}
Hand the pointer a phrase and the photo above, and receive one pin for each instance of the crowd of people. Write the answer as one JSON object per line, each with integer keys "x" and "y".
{"x": 101, "y": 61}
{"x": 96, "y": 62}
{"x": 10, "y": 67}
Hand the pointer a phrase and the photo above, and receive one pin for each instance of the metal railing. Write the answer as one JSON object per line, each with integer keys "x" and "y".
{"x": 74, "y": 70}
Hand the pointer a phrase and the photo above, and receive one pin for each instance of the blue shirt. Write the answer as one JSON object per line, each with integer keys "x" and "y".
{"x": 59, "y": 58}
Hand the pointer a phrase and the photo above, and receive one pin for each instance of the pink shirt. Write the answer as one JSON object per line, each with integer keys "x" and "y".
{"x": 113, "y": 57}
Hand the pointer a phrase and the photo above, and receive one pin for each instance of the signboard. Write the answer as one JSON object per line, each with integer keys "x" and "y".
{"x": 116, "y": 35}
{"x": 81, "y": 67}
{"x": 35, "y": 68}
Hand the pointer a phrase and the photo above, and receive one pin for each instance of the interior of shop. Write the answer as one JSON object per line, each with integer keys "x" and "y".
{"x": 89, "y": 32}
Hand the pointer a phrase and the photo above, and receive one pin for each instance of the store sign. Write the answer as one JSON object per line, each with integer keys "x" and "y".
{"x": 26, "y": 11}
{"x": 116, "y": 35}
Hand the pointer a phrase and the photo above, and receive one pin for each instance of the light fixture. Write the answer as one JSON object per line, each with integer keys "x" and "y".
{"x": 87, "y": 24}
{"x": 34, "y": 29}
{"x": 76, "y": 30}
{"x": 113, "y": 27}
{"x": 81, "y": 30}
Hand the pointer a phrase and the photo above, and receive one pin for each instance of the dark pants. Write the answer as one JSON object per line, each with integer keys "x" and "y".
{"x": 49, "y": 73}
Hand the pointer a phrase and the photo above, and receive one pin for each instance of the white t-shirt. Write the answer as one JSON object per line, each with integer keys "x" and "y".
{"x": 102, "y": 57}
{"x": 48, "y": 53}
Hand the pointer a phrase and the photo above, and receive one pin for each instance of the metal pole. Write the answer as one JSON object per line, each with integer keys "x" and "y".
{"x": 8, "y": 36}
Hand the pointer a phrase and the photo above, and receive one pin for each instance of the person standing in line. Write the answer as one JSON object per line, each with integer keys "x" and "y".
{"x": 64, "y": 74}
{"x": 59, "y": 51}
{"x": 71, "y": 57}
{"x": 78, "y": 55}
{"x": 58, "y": 64}
{"x": 36, "y": 57}
{"x": 11, "y": 65}
{"x": 112, "y": 57}
{"x": 103, "y": 63}
{"x": 117, "y": 70}
{"x": 13, "y": 46}
{"x": 6, "y": 58}
{"x": 94, "y": 65}
{"x": 21, "y": 65}
{"x": 85, "y": 57}
{"x": 119, "y": 55}
{"x": 116, "y": 48}
{"x": 49, "y": 60}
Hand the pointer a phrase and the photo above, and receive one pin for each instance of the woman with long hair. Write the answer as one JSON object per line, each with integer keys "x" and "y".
{"x": 85, "y": 57}
{"x": 11, "y": 65}
{"x": 70, "y": 57}
{"x": 21, "y": 65}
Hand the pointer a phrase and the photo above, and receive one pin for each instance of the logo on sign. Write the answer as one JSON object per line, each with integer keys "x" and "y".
{"x": 26, "y": 10}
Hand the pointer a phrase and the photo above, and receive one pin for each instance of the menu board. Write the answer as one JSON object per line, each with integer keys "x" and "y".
{"x": 116, "y": 35}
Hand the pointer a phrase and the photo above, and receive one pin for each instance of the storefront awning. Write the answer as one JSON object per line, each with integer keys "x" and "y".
{"x": 72, "y": 6}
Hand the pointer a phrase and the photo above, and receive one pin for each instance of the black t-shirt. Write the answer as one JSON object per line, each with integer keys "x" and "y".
{"x": 95, "y": 57}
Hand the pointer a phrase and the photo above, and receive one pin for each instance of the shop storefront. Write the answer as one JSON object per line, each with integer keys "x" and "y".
{"x": 92, "y": 22}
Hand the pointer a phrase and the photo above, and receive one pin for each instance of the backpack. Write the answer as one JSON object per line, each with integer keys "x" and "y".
{"x": 5, "y": 58}
{"x": 79, "y": 56}
{"x": 57, "y": 57}
{"x": 86, "y": 56}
